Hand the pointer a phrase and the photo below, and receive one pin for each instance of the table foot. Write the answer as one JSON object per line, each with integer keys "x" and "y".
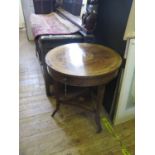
{"x": 57, "y": 108}
{"x": 98, "y": 123}
{"x": 99, "y": 130}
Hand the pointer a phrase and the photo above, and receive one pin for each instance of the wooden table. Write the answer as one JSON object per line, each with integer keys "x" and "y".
{"x": 83, "y": 65}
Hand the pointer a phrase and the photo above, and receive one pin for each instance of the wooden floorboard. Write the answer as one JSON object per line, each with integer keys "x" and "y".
{"x": 72, "y": 131}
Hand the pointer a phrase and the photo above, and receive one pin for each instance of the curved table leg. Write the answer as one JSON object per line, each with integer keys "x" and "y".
{"x": 100, "y": 95}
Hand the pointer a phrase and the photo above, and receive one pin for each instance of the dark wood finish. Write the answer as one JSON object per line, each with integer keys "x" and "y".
{"x": 83, "y": 65}
{"x": 83, "y": 61}
{"x": 56, "y": 86}
{"x": 100, "y": 95}
{"x": 81, "y": 81}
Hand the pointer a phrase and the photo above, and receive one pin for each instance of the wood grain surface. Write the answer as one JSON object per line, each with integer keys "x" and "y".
{"x": 83, "y": 59}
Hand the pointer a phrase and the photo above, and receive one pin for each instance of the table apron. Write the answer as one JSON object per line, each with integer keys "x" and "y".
{"x": 82, "y": 81}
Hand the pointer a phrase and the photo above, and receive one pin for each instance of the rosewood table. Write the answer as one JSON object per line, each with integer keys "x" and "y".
{"x": 83, "y": 65}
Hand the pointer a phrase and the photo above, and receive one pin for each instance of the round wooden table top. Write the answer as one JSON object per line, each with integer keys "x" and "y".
{"x": 83, "y": 59}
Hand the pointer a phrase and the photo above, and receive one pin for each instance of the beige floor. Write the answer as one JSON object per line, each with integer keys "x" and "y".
{"x": 71, "y": 132}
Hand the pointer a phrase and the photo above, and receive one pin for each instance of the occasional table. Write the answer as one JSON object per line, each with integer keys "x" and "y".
{"x": 83, "y": 65}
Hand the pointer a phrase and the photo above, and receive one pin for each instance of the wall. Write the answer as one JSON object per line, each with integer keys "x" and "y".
{"x": 21, "y": 17}
{"x": 111, "y": 24}
{"x": 130, "y": 29}
{"x": 28, "y": 8}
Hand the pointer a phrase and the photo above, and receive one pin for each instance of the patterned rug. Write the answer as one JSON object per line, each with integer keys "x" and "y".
{"x": 51, "y": 24}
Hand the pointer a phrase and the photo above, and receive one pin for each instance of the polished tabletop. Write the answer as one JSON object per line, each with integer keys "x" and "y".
{"x": 83, "y": 59}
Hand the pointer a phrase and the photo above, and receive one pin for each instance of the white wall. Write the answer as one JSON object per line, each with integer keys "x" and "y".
{"x": 21, "y": 17}
{"x": 130, "y": 28}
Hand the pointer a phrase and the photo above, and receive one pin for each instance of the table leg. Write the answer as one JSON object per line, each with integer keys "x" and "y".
{"x": 48, "y": 80}
{"x": 57, "y": 108}
{"x": 100, "y": 95}
{"x": 56, "y": 92}
{"x": 47, "y": 88}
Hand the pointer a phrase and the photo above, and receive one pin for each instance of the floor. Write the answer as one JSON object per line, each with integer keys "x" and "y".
{"x": 72, "y": 131}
